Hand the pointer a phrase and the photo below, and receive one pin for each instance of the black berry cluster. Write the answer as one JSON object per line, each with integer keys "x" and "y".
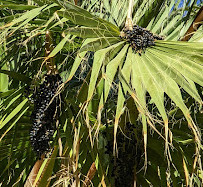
{"x": 44, "y": 115}
{"x": 129, "y": 155}
{"x": 139, "y": 38}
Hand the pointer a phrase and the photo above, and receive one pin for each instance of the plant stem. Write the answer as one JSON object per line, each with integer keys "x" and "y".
{"x": 194, "y": 26}
{"x": 33, "y": 174}
{"x": 50, "y": 65}
{"x": 129, "y": 22}
{"x": 90, "y": 175}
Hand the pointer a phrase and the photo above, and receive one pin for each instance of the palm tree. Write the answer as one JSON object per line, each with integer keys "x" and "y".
{"x": 127, "y": 116}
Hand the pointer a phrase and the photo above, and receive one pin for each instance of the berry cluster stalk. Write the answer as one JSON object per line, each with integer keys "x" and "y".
{"x": 50, "y": 65}
{"x": 51, "y": 71}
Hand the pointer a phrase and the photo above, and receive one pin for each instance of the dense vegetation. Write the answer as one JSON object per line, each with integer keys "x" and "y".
{"x": 102, "y": 93}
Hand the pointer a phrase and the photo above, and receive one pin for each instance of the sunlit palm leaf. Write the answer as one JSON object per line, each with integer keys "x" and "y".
{"x": 81, "y": 17}
{"x": 162, "y": 69}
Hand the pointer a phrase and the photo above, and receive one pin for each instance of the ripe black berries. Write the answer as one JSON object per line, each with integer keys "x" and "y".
{"x": 139, "y": 38}
{"x": 46, "y": 110}
{"x": 128, "y": 156}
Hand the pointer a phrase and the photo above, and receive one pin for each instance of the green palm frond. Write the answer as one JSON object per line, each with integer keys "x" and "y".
{"x": 161, "y": 70}
{"x": 166, "y": 18}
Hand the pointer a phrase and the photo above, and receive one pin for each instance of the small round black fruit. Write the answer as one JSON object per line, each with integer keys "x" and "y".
{"x": 139, "y": 38}
{"x": 46, "y": 110}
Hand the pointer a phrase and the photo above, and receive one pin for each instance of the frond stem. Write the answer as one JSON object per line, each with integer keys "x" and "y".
{"x": 129, "y": 22}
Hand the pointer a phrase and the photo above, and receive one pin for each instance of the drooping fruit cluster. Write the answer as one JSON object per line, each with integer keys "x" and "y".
{"x": 127, "y": 158}
{"x": 139, "y": 38}
{"x": 44, "y": 115}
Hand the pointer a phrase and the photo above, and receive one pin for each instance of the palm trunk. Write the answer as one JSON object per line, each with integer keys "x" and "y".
{"x": 194, "y": 26}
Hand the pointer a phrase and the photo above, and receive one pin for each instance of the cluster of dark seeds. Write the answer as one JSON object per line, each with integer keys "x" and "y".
{"x": 129, "y": 155}
{"x": 139, "y": 38}
{"x": 44, "y": 115}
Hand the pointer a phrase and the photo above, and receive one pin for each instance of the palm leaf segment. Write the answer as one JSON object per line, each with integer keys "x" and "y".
{"x": 163, "y": 69}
